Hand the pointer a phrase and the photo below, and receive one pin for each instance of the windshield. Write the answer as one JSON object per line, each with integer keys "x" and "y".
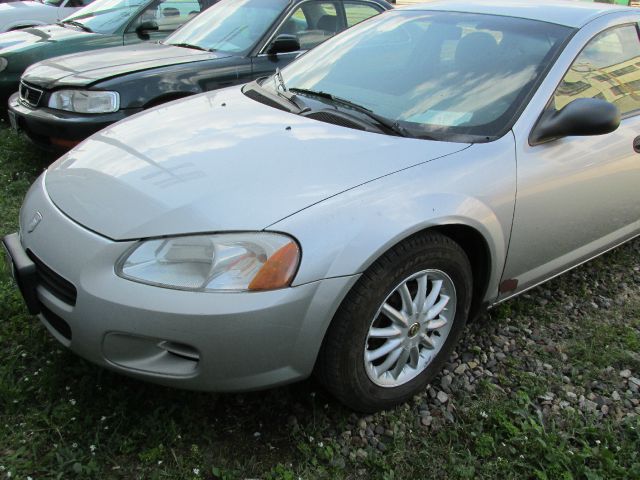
{"x": 106, "y": 16}
{"x": 53, "y": 3}
{"x": 443, "y": 75}
{"x": 233, "y": 26}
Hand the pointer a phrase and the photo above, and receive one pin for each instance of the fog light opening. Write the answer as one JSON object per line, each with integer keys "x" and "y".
{"x": 180, "y": 350}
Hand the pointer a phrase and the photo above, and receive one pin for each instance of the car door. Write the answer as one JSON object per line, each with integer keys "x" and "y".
{"x": 312, "y": 22}
{"x": 578, "y": 196}
{"x": 167, "y": 15}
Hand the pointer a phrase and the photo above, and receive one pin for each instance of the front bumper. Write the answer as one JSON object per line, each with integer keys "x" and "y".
{"x": 199, "y": 341}
{"x": 59, "y": 130}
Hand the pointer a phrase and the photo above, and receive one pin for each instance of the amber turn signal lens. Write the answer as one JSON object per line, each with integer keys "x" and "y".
{"x": 279, "y": 270}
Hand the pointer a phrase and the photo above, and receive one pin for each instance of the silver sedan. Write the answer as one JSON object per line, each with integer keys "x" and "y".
{"x": 349, "y": 214}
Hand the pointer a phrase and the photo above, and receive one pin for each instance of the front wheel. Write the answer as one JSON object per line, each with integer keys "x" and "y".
{"x": 398, "y": 325}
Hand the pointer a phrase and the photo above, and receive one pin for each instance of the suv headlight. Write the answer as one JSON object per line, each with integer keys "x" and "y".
{"x": 4, "y": 63}
{"x": 85, "y": 101}
{"x": 217, "y": 262}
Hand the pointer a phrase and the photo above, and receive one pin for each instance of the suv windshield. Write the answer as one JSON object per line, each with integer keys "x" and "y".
{"x": 106, "y": 16}
{"x": 443, "y": 75}
{"x": 53, "y": 3}
{"x": 230, "y": 26}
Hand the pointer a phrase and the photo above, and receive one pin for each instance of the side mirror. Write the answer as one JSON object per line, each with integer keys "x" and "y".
{"x": 582, "y": 117}
{"x": 284, "y": 44}
{"x": 145, "y": 27}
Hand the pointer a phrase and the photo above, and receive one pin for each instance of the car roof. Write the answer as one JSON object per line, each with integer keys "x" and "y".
{"x": 571, "y": 13}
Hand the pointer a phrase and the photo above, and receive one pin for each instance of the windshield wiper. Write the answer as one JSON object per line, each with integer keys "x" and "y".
{"x": 391, "y": 125}
{"x": 282, "y": 91}
{"x": 81, "y": 26}
{"x": 189, "y": 45}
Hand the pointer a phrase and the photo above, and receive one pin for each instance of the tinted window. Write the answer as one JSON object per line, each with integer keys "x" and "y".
{"x": 168, "y": 14}
{"x": 312, "y": 23}
{"x": 608, "y": 68}
{"x": 438, "y": 74}
{"x": 107, "y": 16}
{"x": 76, "y": 3}
{"x": 357, "y": 12}
{"x": 231, "y": 25}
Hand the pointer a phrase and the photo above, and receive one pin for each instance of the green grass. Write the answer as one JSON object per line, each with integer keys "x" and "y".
{"x": 61, "y": 417}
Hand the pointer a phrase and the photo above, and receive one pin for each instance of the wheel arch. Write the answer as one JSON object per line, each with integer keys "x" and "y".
{"x": 475, "y": 246}
{"x": 21, "y": 26}
{"x": 478, "y": 252}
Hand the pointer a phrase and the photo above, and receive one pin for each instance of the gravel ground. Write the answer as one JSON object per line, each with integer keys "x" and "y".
{"x": 531, "y": 339}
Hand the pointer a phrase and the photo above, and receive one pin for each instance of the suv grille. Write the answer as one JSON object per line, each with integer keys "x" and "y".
{"x": 60, "y": 287}
{"x": 30, "y": 95}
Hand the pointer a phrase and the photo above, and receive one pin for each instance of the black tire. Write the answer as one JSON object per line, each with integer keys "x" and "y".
{"x": 340, "y": 367}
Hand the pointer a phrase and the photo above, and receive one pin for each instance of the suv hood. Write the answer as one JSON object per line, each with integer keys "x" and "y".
{"x": 82, "y": 69}
{"x": 17, "y": 40}
{"x": 218, "y": 161}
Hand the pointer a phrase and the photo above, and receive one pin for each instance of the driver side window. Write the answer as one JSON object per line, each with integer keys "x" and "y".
{"x": 312, "y": 23}
{"x": 608, "y": 68}
{"x": 169, "y": 15}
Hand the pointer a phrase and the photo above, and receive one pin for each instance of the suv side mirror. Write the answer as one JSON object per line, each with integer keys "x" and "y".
{"x": 145, "y": 27}
{"x": 284, "y": 43}
{"x": 582, "y": 117}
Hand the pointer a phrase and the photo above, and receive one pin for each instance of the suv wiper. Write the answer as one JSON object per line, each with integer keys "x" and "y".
{"x": 189, "y": 45}
{"x": 391, "y": 125}
{"x": 81, "y": 26}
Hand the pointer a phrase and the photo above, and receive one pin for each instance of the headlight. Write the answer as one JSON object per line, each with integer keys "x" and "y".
{"x": 4, "y": 63}
{"x": 85, "y": 101}
{"x": 209, "y": 263}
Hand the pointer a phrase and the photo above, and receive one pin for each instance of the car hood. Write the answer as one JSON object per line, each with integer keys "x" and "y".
{"x": 82, "y": 69}
{"x": 219, "y": 161}
{"x": 18, "y": 40}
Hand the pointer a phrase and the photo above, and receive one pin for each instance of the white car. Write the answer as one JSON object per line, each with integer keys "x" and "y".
{"x": 16, "y": 15}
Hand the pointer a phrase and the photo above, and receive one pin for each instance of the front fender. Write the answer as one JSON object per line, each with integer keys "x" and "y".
{"x": 138, "y": 89}
{"x": 345, "y": 234}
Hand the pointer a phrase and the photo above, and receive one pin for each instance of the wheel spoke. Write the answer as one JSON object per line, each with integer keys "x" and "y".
{"x": 438, "y": 307}
{"x": 407, "y": 302}
{"x": 436, "y": 286}
{"x": 389, "y": 346}
{"x": 414, "y": 357}
{"x": 437, "y": 323}
{"x": 426, "y": 341}
{"x": 411, "y": 327}
{"x": 421, "y": 294}
{"x": 394, "y": 315}
{"x": 388, "y": 332}
{"x": 401, "y": 363}
{"x": 389, "y": 361}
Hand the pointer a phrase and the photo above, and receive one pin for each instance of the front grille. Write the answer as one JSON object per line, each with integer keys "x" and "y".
{"x": 30, "y": 95}
{"x": 57, "y": 285}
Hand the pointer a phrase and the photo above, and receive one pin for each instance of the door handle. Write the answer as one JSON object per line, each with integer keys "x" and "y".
{"x": 636, "y": 145}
